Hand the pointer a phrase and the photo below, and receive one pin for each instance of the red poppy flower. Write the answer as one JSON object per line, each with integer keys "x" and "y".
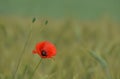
{"x": 45, "y": 49}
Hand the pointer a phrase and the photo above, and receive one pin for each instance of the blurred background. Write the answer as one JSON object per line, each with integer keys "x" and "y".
{"x": 85, "y": 32}
{"x": 82, "y": 9}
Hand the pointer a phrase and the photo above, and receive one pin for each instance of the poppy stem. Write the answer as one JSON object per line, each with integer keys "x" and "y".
{"x": 35, "y": 69}
{"x": 23, "y": 51}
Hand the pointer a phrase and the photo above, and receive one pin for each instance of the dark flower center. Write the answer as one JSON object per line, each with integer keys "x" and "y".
{"x": 43, "y": 53}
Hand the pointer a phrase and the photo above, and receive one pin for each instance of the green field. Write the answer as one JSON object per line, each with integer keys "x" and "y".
{"x": 85, "y": 49}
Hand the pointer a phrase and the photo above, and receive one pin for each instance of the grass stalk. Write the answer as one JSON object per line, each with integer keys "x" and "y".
{"x": 103, "y": 63}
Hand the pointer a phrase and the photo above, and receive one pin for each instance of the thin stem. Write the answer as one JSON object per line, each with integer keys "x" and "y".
{"x": 35, "y": 69}
{"x": 24, "y": 72}
{"x": 23, "y": 51}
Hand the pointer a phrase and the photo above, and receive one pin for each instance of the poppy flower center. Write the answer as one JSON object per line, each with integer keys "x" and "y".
{"x": 43, "y": 53}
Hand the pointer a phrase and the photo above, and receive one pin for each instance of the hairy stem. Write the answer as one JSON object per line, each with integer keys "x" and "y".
{"x": 23, "y": 51}
{"x": 35, "y": 69}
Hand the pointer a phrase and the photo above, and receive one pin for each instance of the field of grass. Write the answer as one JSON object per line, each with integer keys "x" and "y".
{"x": 85, "y": 50}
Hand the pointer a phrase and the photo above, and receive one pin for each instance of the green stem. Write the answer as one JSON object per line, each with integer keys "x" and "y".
{"x": 23, "y": 51}
{"x": 35, "y": 69}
